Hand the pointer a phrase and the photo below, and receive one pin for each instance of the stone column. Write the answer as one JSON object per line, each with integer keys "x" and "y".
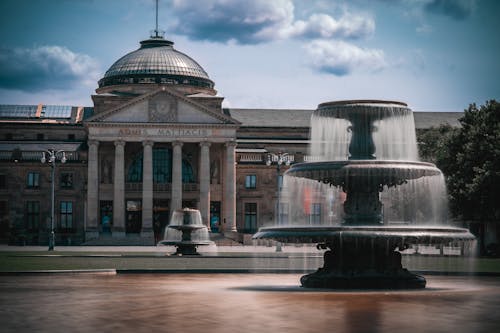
{"x": 92, "y": 222}
{"x": 119, "y": 191}
{"x": 204, "y": 175}
{"x": 230, "y": 188}
{"x": 147, "y": 190}
{"x": 176, "y": 201}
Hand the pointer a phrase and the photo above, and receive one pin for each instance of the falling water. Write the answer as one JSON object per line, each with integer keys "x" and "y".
{"x": 393, "y": 132}
{"x": 186, "y": 217}
{"x": 420, "y": 201}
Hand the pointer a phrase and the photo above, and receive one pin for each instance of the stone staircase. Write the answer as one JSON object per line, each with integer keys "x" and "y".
{"x": 137, "y": 240}
{"x": 220, "y": 240}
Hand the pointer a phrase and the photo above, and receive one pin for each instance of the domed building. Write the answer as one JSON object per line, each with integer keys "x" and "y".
{"x": 159, "y": 141}
{"x": 157, "y": 62}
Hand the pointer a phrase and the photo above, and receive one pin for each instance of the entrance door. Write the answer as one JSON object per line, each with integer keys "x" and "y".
{"x": 161, "y": 215}
{"x": 215, "y": 216}
{"x": 134, "y": 217}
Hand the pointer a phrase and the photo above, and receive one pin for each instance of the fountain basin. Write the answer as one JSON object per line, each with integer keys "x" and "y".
{"x": 365, "y": 256}
{"x": 369, "y": 172}
{"x": 391, "y": 235}
{"x": 186, "y": 231}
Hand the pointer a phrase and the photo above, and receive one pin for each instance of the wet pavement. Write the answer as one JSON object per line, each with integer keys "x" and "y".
{"x": 239, "y": 303}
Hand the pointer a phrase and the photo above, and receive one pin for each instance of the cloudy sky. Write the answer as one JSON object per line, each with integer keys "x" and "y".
{"x": 435, "y": 55}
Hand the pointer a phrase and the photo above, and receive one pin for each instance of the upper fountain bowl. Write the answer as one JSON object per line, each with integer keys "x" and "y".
{"x": 371, "y": 110}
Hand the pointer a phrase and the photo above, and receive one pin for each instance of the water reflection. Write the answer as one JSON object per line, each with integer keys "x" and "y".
{"x": 239, "y": 303}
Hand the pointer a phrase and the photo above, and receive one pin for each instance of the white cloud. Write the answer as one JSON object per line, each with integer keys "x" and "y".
{"x": 341, "y": 58}
{"x": 251, "y": 22}
{"x": 45, "y": 67}
{"x": 242, "y": 21}
{"x": 325, "y": 26}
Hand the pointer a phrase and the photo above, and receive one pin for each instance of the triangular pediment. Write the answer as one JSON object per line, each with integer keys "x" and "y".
{"x": 163, "y": 105}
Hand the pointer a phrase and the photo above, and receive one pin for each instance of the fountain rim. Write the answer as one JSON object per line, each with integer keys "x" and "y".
{"x": 361, "y": 101}
{"x": 338, "y": 166}
{"x": 410, "y": 234}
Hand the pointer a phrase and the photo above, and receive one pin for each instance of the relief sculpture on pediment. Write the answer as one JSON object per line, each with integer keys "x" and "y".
{"x": 162, "y": 110}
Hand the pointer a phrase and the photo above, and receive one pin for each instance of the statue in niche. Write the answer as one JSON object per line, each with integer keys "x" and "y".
{"x": 106, "y": 172}
{"x": 214, "y": 171}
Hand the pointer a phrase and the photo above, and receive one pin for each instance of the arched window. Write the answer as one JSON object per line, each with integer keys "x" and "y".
{"x": 162, "y": 168}
{"x": 162, "y": 165}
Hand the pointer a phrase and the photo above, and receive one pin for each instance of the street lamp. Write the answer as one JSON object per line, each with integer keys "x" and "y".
{"x": 279, "y": 159}
{"x": 50, "y": 156}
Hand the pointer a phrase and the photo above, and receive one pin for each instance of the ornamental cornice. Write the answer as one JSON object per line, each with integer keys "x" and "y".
{"x": 163, "y": 125}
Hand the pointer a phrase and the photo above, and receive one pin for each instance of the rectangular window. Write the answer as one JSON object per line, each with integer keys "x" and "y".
{"x": 250, "y": 181}
{"x": 40, "y": 136}
{"x": 32, "y": 215}
{"x": 250, "y": 217}
{"x": 3, "y": 182}
{"x": 33, "y": 180}
{"x": 66, "y": 180}
{"x": 315, "y": 216}
{"x": 66, "y": 215}
{"x": 283, "y": 218}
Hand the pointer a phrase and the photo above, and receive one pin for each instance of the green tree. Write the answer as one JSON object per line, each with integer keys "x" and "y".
{"x": 432, "y": 142}
{"x": 471, "y": 164}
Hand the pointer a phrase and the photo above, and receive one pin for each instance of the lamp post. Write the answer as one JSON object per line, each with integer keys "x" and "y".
{"x": 50, "y": 156}
{"x": 279, "y": 159}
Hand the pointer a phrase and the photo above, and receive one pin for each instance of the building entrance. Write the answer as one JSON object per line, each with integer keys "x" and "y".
{"x": 134, "y": 217}
{"x": 161, "y": 216}
{"x": 215, "y": 216}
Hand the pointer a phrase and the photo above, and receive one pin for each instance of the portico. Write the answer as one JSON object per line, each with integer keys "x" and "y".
{"x": 164, "y": 152}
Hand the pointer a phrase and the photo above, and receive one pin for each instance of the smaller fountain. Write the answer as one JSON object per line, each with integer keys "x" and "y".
{"x": 186, "y": 231}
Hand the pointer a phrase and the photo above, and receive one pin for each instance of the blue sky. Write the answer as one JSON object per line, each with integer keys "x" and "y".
{"x": 435, "y": 55}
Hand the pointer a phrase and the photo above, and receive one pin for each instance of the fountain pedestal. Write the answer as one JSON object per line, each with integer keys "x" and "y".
{"x": 362, "y": 264}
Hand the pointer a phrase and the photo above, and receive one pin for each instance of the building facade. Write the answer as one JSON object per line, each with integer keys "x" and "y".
{"x": 156, "y": 139}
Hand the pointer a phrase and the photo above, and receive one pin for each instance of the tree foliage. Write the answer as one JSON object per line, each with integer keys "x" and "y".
{"x": 470, "y": 159}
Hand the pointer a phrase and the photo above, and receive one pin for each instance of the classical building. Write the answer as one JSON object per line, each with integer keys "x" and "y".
{"x": 157, "y": 139}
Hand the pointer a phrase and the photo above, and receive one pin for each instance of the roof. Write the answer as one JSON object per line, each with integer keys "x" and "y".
{"x": 272, "y": 117}
{"x": 156, "y": 58}
{"x": 41, "y": 112}
{"x": 302, "y": 118}
{"x": 247, "y": 117}
{"x": 425, "y": 119}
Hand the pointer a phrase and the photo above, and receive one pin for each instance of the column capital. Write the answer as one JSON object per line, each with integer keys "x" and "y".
{"x": 177, "y": 143}
{"x": 93, "y": 143}
{"x": 205, "y": 144}
{"x": 119, "y": 143}
{"x": 147, "y": 143}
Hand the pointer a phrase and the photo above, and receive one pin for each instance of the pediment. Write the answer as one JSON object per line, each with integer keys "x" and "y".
{"x": 163, "y": 106}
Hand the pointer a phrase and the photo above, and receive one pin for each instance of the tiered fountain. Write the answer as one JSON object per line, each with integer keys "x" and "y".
{"x": 367, "y": 158}
{"x": 186, "y": 231}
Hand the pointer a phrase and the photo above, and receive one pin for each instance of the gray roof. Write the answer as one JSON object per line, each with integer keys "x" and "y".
{"x": 301, "y": 118}
{"x": 156, "y": 56}
{"x": 424, "y": 119}
{"x": 272, "y": 117}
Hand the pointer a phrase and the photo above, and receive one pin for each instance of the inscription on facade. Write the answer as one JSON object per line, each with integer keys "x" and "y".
{"x": 130, "y": 132}
{"x": 166, "y": 132}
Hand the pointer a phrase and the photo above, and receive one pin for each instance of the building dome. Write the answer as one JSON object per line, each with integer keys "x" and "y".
{"x": 156, "y": 62}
